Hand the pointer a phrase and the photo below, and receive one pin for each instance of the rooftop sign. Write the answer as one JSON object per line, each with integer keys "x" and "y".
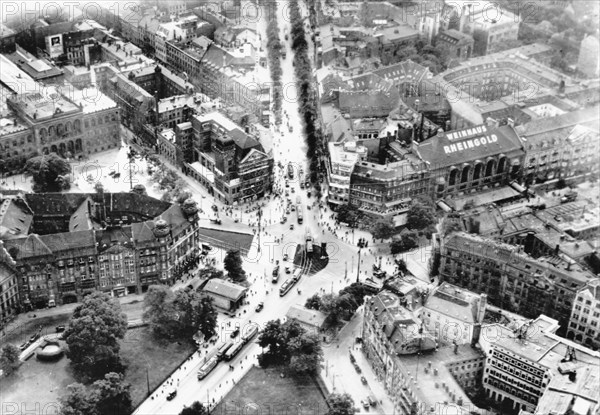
{"x": 477, "y": 137}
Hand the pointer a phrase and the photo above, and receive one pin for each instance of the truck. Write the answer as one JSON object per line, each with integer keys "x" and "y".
{"x": 569, "y": 197}
{"x": 309, "y": 244}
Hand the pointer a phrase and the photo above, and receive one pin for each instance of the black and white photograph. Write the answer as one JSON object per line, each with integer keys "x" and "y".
{"x": 300, "y": 207}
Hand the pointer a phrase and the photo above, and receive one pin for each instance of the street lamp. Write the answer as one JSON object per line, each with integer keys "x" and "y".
{"x": 259, "y": 220}
{"x": 358, "y": 266}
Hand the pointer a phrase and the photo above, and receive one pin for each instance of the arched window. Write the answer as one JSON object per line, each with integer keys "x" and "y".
{"x": 489, "y": 168}
{"x": 452, "y": 179}
{"x": 501, "y": 165}
{"x": 465, "y": 174}
{"x": 477, "y": 171}
{"x": 52, "y": 131}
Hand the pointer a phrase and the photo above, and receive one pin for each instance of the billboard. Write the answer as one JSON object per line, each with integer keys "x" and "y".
{"x": 54, "y": 45}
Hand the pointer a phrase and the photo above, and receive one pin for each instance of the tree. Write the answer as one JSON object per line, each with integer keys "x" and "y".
{"x": 180, "y": 314}
{"x": 49, "y": 172}
{"x": 209, "y": 272}
{"x": 233, "y": 265}
{"x": 405, "y": 242}
{"x": 306, "y": 354}
{"x": 421, "y": 214}
{"x": 93, "y": 335}
{"x": 79, "y": 401}
{"x": 349, "y": 214}
{"x": 273, "y": 339}
{"x": 196, "y": 409}
{"x": 159, "y": 311}
{"x": 340, "y": 404}
{"x": 314, "y": 302}
{"x": 383, "y": 229}
{"x": 113, "y": 395}
{"x": 194, "y": 313}
{"x": 99, "y": 188}
{"x": 9, "y": 358}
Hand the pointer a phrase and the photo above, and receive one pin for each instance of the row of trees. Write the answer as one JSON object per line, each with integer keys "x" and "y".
{"x": 167, "y": 180}
{"x": 50, "y": 173}
{"x": 180, "y": 314}
{"x": 307, "y": 95}
{"x": 289, "y": 346}
{"x": 274, "y": 47}
{"x": 107, "y": 396}
{"x": 341, "y": 306}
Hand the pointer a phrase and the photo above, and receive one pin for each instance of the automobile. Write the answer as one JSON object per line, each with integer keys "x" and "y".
{"x": 288, "y": 270}
{"x": 235, "y": 333}
{"x": 23, "y": 346}
{"x": 285, "y": 257}
{"x": 171, "y": 395}
{"x": 301, "y": 185}
{"x": 365, "y": 403}
{"x": 287, "y": 211}
{"x": 260, "y": 306}
{"x": 363, "y": 380}
{"x": 287, "y": 184}
{"x": 357, "y": 368}
{"x": 60, "y": 329}
{"x": 34, "y": 337}
{"x": 308, "y": 207}
{"x": 287, "y": 193}
{"x": 372, "y": 401}
{"x": 308, "y": 193}
{"x": 293, "y": 208}
{"x": 292, "y": 227}
{"x": 283, "y": 220}
{"x": 293, "y": 190}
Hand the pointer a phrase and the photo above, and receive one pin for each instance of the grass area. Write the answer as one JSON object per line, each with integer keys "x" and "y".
{"x": 264, "y": 391}
{"x": 36, "y": 385}
{"x": 140, "y": 350}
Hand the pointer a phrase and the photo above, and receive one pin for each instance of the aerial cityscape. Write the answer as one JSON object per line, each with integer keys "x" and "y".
{"x": 300, "y": 207}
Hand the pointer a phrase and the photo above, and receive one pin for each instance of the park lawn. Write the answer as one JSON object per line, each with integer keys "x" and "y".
{"x": 141, "y": 350}
{"x": 264, "y": 391}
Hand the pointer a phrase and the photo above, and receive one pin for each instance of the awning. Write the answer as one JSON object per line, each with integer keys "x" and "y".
{"x": 442, "y": 205}
{"x": 497, "y": 195}
{"x": 517, "y": 187}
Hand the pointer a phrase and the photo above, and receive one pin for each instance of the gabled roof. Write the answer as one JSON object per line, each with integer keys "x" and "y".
{"x": 175, "y": 218}
{"x": 81, "y": 220}
{"x": 143, "y": 231}
{"x": 15, "y": 218}
{"x": 306, "y": 316}
{"x": 67, "y": 241}
{"x": 29, "y": 247}
{"x": 225, "y": 289}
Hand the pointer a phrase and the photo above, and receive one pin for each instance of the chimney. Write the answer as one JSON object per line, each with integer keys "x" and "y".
{"x": 557, "y": 249}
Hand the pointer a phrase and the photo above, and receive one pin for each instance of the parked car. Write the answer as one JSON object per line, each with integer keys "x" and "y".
{"x": 293, "y": 190}
{"x": 285, "y": 257}
{"x": 372, "y": 401}
{"x": 365, "y": 403}
{"x": 23, "y": 346}
{"x": 357, "y": 368}
{"x": 288, "y": 270}
{"x": 260, "y": 306}
{"x": 171, "y": 395}
{"x": 363, "y": 380}
{"x": 34, "y": 337}
{"x": 292, "y": 227}
{"x": 235, "y": 333}
{"x": 60, "y": 329}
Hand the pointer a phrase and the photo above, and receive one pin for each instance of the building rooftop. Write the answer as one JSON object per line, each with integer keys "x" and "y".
{"x": 306, "y": 316}
{"x": 396, "y": 171}
{"x": 455, "y": 302}
{"x": 6, "y": 31}
{"x": 562, "y": 393}
{"x": 16, "y": 79}
{"x": 225, "y": 289}
{"x": 466, "y": 145}
{"x": 428, "y": 386}
{"x": 38, "y": 106}
{"x": 91, "y": 99}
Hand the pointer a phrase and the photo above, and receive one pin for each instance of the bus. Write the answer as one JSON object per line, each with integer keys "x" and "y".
{"x": 251, "y": 333}
{"x": 207, "y": 367}
{"x": 223, "y": 349}
{"x": 286, "y": 286}
{"x": 234, "y": 350}
{"x": 299, "y": 214}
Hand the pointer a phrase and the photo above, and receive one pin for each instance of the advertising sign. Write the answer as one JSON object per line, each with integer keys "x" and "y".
{"x": 54, "y": 45}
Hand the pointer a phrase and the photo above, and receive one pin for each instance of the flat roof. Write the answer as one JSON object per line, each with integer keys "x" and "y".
{"x": 40, "y": 106}
{"x": 16, "y": 79}
{"x": 225, "y": 289}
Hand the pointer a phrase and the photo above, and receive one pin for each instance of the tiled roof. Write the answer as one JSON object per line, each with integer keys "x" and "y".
{"x": 69, "y": 240}
{"x": 81, "y": 220}
{"x": 28, "y": 247}
{"x": 306, "y": 316}
{"x": 15, "y": 218}
{"x": 225, "y": 289}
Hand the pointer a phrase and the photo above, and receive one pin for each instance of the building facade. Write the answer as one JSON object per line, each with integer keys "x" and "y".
{"x": 117, "y": 243}
{"x": 584, "y": 325}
